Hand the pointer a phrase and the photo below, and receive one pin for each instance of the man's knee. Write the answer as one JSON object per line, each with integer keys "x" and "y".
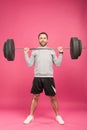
{"x": 36, "y": 97}
{"x": 52, "y": 98}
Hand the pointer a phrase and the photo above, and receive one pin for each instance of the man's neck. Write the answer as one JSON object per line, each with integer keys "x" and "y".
{"x": 43, "y": 46}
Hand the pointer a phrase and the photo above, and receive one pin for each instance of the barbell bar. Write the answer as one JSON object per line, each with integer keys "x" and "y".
{"x": 75, "y": 48}
{"x": 42, "y": 48}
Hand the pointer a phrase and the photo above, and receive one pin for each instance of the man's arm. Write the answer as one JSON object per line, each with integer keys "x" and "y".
{"x": 58, "y": 60}
{"x": 29, "y": 60}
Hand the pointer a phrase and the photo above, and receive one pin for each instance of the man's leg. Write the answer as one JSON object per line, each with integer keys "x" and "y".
{"x": 34, "y": 103}
{"x": 54, "y": 104}
{"x": 56, "y": 110}
{"x": 32, "y": 109}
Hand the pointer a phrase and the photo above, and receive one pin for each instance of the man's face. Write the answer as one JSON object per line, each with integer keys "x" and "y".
{"x": 43, "y": 40}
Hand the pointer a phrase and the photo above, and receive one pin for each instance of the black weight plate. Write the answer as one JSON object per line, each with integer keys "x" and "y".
{"x": 80, "y": 47}
{"x": 4, "y": 50}
{"x": 74, "y": 48}
{"x": 10, "y": 50}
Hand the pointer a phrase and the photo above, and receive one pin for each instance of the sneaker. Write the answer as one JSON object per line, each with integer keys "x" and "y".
{"x": 29, "y": 119}
{"x": 59, "y": 120}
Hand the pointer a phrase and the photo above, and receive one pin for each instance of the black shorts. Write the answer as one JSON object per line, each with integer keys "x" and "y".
{"x": 47, "y": 84}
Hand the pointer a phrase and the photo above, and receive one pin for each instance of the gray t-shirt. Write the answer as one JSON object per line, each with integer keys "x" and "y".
{"x": 43, "y": 61}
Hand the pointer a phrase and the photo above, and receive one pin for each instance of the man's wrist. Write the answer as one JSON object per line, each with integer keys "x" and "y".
{"x": 60, "y": 52}
{"x": 25, "y": 52}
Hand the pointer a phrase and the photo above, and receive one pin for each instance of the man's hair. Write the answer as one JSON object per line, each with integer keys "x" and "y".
{"x": 43, "y": 33}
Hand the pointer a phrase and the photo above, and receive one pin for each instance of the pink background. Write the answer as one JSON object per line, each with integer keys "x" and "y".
{"x": 23, "y": 20}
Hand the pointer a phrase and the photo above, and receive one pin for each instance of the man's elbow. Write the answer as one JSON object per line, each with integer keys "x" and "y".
{"x": 58, "y": 64}
{"x": 30, "y": 65}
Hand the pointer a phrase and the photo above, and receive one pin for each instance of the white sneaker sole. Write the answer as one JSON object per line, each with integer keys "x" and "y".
{"x": 27, "y": 121}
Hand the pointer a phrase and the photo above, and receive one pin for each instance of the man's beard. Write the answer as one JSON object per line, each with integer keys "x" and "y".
{"x": 43, "y": 45}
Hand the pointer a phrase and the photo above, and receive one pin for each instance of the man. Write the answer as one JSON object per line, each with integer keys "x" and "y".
{"x": 43, "y": 75}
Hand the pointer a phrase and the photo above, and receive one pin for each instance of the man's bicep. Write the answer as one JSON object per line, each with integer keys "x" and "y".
{"x": 56, "y": 59}
{"x": 30, "y": 60}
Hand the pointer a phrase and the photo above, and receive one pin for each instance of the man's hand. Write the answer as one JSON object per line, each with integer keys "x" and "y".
{"x": 26, "y": 50}
{"x": 60, "y": 49}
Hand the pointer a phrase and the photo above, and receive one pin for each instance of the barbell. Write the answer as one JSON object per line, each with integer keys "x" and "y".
{"x": 75, "y": 48}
